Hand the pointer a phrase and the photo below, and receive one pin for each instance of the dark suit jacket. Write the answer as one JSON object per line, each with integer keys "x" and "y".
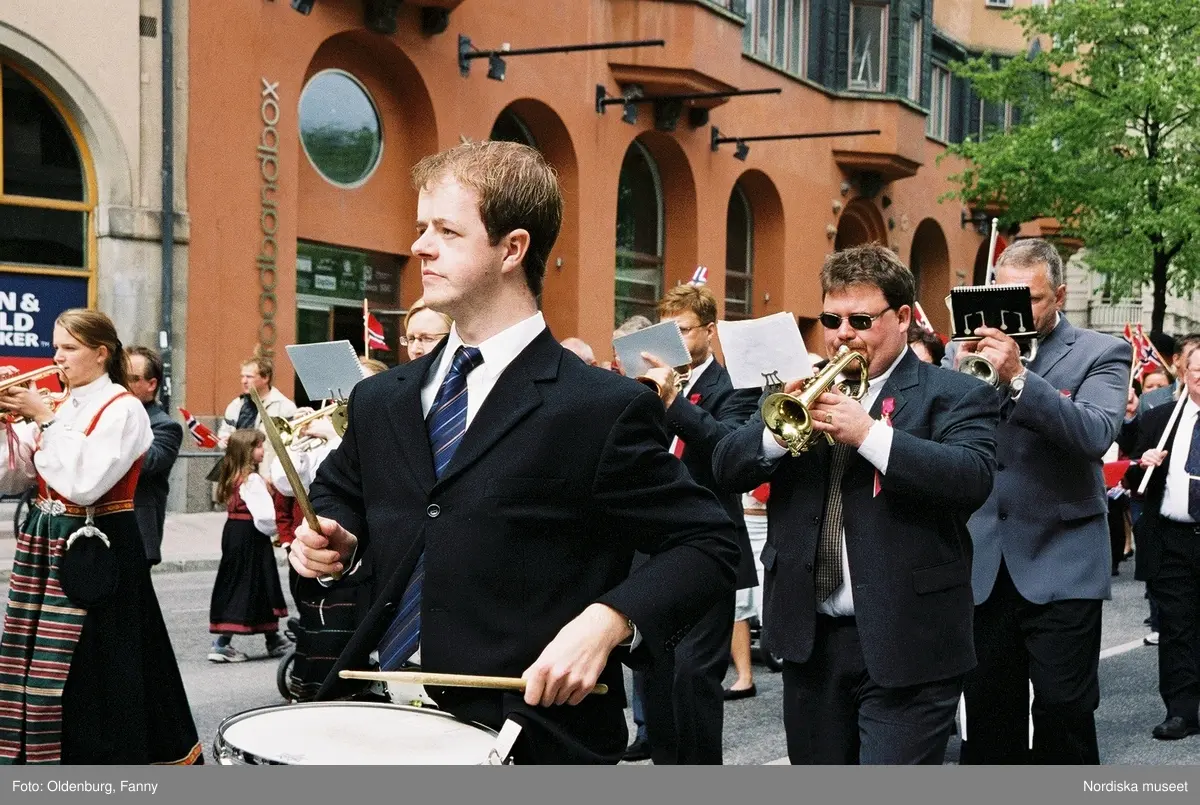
{"x": 909, "y": 549}
{"x": 1149, "y": 538}
{"x": 562, "y": 475}
{"x": 719, "y": 410}
{"x": 150, "y": 499}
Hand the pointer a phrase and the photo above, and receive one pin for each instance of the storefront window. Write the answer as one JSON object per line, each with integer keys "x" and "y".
{"x": 739, "y": 257}
{"x": 639, "y": 236}
{"x": 339, "y": 128}
{"x": 43, "y": 204}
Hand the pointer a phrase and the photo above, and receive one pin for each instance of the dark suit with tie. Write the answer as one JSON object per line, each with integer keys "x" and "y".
{"x": 562, "y": 474}
{"x": 685, "y": 705}
{"x": 909, "y": 641}
{"x": 150, "y": 498}
{"x": 1168, "y": 560}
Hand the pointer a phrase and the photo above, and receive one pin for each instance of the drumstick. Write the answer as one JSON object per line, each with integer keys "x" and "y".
{"x": 1162, "y": 440}
{"x": 447, "y": 680}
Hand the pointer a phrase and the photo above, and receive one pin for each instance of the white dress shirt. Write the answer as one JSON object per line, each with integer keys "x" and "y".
{"x": 80, "y": 468}
{"x": 687, "y": 390}
{"x": 876, "y": 448}
{"x": 1175, "y": 496}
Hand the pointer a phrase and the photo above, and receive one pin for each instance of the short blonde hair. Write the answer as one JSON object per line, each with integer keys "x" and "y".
{"x": 517, "y": 190}
{"x": 420, "y": 305}
{"x": 698, "y": 299}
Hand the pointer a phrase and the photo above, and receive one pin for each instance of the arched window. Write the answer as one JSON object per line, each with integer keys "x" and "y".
{"x": 510, "y": 128}
{"x": 45, "y": 197}
{"x": 739, "y": 257}
{"x": 639, "y": 236}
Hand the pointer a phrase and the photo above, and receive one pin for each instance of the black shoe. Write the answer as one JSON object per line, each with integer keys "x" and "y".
{"x": 744, "y": 693}
{"x": 1129, "y": 553}
{"x": 1174, "y": 728}
{"x": 638, "y": 750}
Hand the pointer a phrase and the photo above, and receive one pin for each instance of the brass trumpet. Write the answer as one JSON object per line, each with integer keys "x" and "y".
{"x": 53, "y": 398}
{"x": 787, "y": 415}
{"x": 289, "y": 429}
{"x": 977, "y": 366}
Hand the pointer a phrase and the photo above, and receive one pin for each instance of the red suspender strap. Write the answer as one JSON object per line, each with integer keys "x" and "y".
{"x": 96, "y": 418}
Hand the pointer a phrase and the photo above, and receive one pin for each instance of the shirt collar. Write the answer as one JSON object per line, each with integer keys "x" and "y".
{"x": 501, "y": 349}
{"x": 699, "y": 370}
{"x": 80, "y": 395}
{"x": 877, "y": 382}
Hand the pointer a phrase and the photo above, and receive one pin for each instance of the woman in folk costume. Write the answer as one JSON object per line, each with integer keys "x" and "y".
{"x": 247, "y": 597}
{"x": 87, "y": 672}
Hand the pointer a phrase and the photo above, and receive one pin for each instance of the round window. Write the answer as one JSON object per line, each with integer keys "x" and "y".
{"x": 339, "y": 128}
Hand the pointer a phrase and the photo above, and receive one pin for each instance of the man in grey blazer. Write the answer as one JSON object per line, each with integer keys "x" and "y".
{"x": 1042, "y": 559}
{"x": 150, "y": 498}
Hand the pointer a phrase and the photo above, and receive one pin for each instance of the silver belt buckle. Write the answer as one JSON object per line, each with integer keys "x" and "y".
{"x": 51, "y": 506}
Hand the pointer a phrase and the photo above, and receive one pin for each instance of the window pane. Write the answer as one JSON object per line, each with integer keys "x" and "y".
{"x": 38, "y": 237}
{"x": 748, "y": 29}
{"x": 339, "y": 128}
{"x": 639, "y": 263}
{"x": 866, "y": 46}
{"x": 781, "y": 15}
{"x": 739, "y": 227}
{"x": 763, "y": 46}
{"x": 916, "y": 58}
{"x": 40, "y": 158}
{"x": 797, "y": 34}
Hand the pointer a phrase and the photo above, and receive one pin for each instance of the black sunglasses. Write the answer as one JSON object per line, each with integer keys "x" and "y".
{"x": 859, "y": 321}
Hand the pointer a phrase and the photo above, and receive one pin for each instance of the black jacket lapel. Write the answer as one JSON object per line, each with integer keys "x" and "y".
{"x": 405, "y": 416}
{"x": 514, "y": 396}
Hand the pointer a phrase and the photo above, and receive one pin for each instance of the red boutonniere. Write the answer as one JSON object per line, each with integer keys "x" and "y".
{"x": 694, "y": 399}
{"x": 885, "y": 416}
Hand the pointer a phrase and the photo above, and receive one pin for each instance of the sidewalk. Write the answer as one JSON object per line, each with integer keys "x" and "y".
{"x": 190, "y": 542}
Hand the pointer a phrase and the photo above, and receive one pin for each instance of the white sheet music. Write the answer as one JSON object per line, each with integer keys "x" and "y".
{"x": 328, "y": 370}
{"x": 664, "y": 341}
{"x": 758, "y": 347}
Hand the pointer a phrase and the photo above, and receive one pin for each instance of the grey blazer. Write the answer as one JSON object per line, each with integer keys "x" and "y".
{"x": 1046, "y": 516}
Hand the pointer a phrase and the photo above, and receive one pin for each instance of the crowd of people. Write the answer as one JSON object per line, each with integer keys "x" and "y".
{"x": 504, "y": 504}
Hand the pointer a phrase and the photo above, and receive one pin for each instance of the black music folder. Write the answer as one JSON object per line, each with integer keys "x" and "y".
{"x": 1004, "y": 307}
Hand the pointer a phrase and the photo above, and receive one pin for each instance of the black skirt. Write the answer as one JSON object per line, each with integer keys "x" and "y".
{"x": 247, "y": 597}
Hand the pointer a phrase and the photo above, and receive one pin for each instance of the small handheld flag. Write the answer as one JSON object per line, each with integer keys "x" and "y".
{"x": 921, "y": 319}
{"x": 201, "y": 433}
{"x": 1146, "y": 359}
{"x": 699, "y": 276}
{"x": 375, "y": 338}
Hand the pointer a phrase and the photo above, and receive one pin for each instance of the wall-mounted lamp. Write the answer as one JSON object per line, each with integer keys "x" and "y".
{"x": 830, "y": 231}
{"x": 837, "y": 206}
{"x": 496, "y": 66}
{"x": 743, "y": 149}
{"x": 303, "y": 6}
{"x": 668, "y": 108}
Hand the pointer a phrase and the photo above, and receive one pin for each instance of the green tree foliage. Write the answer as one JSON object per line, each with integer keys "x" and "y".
{"x": 1108, "y": 139}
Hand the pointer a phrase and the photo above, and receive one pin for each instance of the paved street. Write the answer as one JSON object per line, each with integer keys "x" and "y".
{"x": 753, "y": 728}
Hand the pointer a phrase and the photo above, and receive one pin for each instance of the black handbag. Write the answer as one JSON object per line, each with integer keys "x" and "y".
{"x": 88, "y": 572}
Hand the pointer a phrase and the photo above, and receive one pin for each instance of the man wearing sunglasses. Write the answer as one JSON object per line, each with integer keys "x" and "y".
{"x": 867, "y": 564}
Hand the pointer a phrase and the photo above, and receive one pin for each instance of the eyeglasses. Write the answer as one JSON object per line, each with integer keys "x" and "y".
{"x": 428, "y": 340}
{"x": 859, "y": 321}
{"x": 685, "y": 330}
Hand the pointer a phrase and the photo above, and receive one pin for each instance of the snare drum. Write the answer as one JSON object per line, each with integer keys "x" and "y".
{"x": 350, "y": 734}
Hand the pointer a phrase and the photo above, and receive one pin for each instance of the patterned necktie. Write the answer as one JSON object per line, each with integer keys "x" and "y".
{"x": 829, "y": 549}
{"x": 447, "y": 423}
{"x": 1192, "y": 468}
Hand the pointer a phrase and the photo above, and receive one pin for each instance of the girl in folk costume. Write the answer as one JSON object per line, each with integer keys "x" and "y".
{"x": 87, "y": 673}
{"x": 247, "y": 597}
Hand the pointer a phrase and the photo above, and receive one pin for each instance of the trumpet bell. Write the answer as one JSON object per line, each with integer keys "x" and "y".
{"x": 53, "y": 398}
{"x": 981, "y": 368}
{"x": 787, "y": 416}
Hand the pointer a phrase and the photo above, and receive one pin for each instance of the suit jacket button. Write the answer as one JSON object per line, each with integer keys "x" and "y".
{"x": 808, "y": 567}
{"x": 1000, "y": 468}
{"x": 816, "y": 519}
{"x": 434, "y": 510}
{"x": 1003, "y": 515}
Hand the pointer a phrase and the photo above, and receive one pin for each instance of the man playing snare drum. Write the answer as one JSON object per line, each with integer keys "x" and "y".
{"x": 493, "y": 492}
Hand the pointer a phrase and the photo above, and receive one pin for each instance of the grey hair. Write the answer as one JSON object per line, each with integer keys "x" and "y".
{"x": 632, "y": 325}
{"x": 1031, "y": 252}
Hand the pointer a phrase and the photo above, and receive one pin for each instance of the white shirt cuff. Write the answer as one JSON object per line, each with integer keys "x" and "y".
{"x": 634, "y": 640}
{"x": 771, "y": 449}
{"x": 877, "y": 447}
{"x": 327, "y": 581}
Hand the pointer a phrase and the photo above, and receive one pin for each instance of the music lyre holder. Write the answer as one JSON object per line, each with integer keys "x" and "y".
{"x": 630, "y": 100}
{"x": 497, "y": 67}
{"x": 771, "y": 381}
{"x": 743, "y": 150}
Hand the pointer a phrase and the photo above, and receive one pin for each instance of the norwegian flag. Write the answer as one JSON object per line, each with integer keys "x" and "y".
{"x": 921, "y": 319}
{"x": 1146, "y": 358}
{"x": 375, "y": 333}
{"x": 201, "y": 433}
{"x": 699, "y": 276}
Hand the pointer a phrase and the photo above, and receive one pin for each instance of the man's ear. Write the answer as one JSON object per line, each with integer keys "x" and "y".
{"x": 516, "y": 246}
{"x": 904, "y": 314}
{"x": 1060, "y": 296}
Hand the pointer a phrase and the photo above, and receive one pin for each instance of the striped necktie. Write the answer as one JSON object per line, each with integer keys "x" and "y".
{"x": 447, "y": 423}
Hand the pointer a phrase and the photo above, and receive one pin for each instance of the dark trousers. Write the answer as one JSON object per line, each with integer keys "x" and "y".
{"x": 1176, "y": 588}
{"x": 685, "y": 705}
{"x": 834, "y": 713}
{"x": 1118, "y": 511}
{"x": 637, "y": 701}
{"x": 1057, "y": 647}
